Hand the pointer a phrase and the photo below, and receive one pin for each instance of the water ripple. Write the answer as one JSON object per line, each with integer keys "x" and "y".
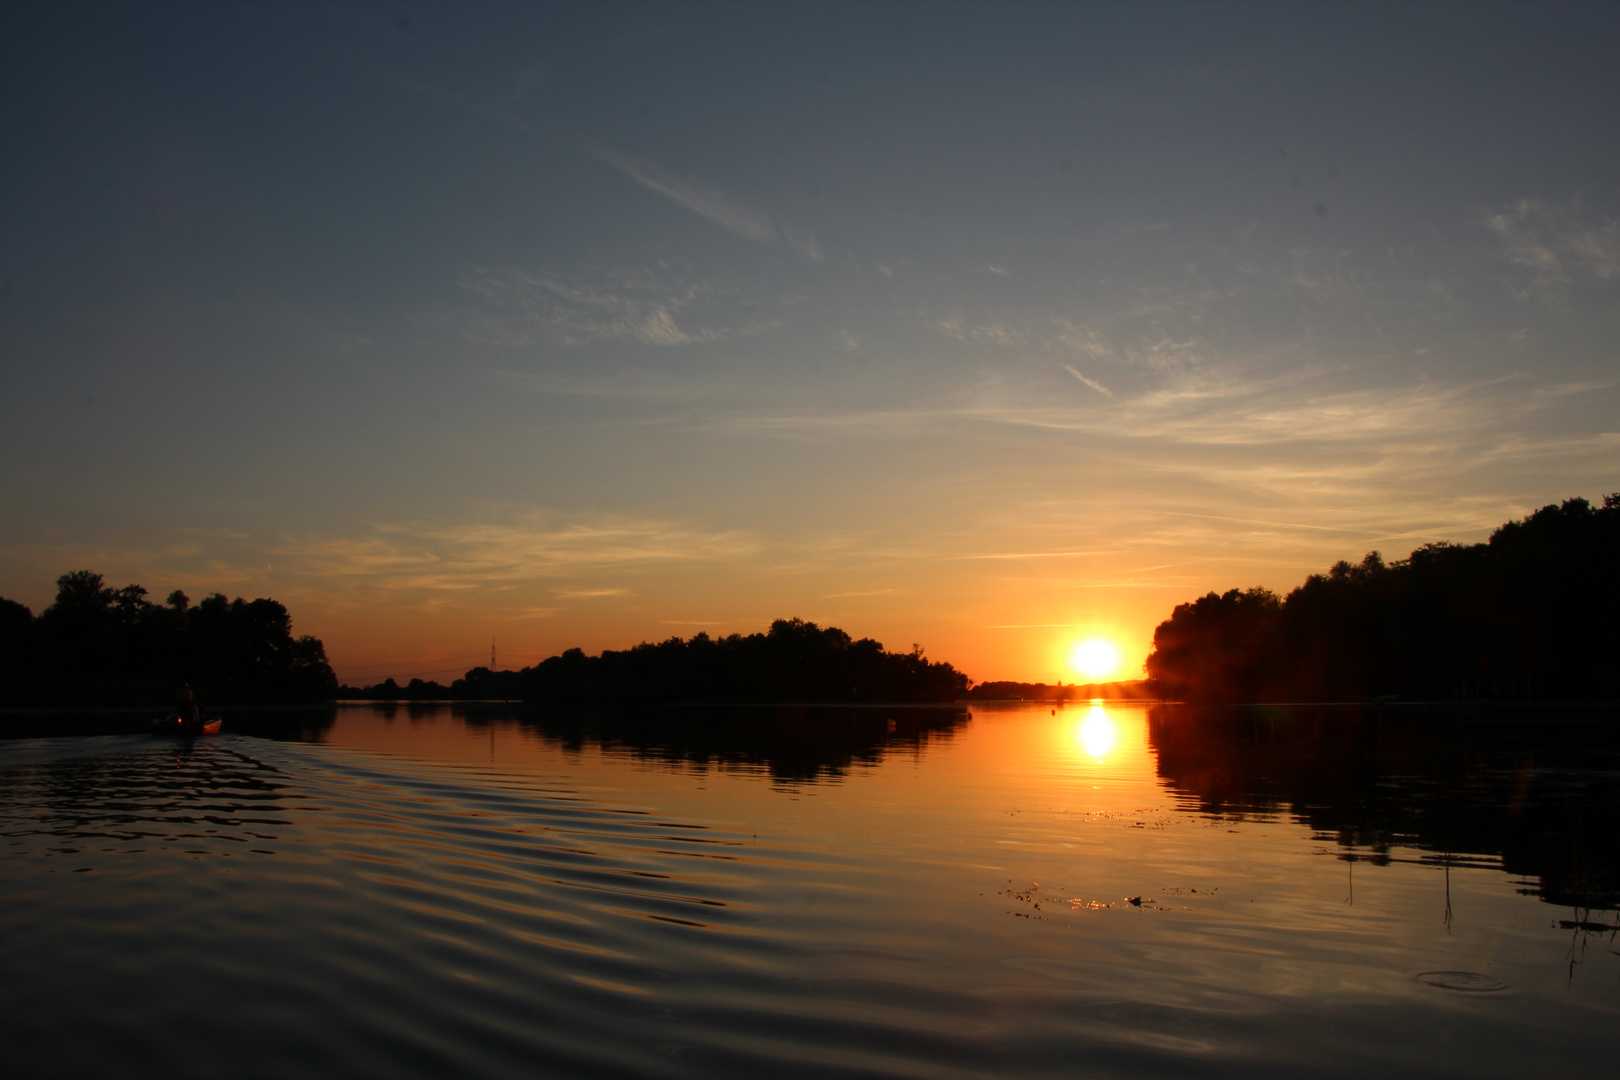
{"x": 439, "y": 910}
{"x": 255, "y": 909}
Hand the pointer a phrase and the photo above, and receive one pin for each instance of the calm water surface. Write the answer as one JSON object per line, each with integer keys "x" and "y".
{"x": 1096, "y": 891}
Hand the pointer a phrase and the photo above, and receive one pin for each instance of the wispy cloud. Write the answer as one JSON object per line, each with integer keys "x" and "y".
{"x": 1035, "y": 554}
{"x": 803, "y": 242}
{"x": 712, "y": 204}
{"x": 1143, "y": 341}
{"x": 525, "y": 547}
{"x": 1093, "y": 383}
{"x": 702, "y": 199}
{"x": 1290, "y": 410}
{"x": 1570, "y": 388}
{"x": 629, "y": 384}
{"x": 657, "y": 307}
{"x": 1255, "y": 521}
{"x": 1555, "y": 245}
{"x": 1258, "y": 460}
{"x": 1300, "y": 409}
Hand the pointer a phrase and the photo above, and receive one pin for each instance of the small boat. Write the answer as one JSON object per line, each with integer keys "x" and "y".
{"x": 173, "y": 725}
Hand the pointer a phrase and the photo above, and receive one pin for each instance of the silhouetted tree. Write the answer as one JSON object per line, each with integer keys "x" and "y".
{"x": 482, "y": 684}
{"x": 15, "y": 622}
{"x": 1214, "y": 646}
{"x": 1530, "y": 614}
{"x": 99, "y": 645}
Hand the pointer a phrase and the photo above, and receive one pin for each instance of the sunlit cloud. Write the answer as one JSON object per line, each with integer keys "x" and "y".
{"x": 526, "y": 547}
{"x": 1003, "y": 333}
{"x": 1034, "y": 555}
{"x": 828, "y": 423}
{"x": 525, "y": 614}
{"x": 1259, "y": 414}
{"x": 1569, "y": 388}
{"x": 1093, "y": 383}
{"x": 1284, "y": 466}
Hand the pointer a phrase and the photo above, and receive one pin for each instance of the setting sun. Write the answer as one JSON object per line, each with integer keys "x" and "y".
{"x": 1095, "y": 659}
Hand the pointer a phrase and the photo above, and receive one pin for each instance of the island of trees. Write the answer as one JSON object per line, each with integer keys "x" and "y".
{"x": 794, "y": 661}
{"x": 99, "y": 646}
{"x": 1532, "y": 614}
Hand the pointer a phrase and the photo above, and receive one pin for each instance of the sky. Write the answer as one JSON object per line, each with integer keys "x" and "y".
{"x": 993, "y": 328}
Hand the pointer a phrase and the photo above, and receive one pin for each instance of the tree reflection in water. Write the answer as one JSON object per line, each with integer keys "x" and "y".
{"x": 792, "y": 742}
{"x": 1538, "y": 792}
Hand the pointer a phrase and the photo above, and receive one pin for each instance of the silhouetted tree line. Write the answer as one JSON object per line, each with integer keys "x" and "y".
{"x": 479, "y": 684}
{"x": 97, "y": 645}
{"x": 1533, "y": 614}
{"x": 1538, "y": 794}
{"x": 796, "y": 661}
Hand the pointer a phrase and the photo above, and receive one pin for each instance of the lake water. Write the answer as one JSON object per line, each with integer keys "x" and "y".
{"x": 1099, "y": 890}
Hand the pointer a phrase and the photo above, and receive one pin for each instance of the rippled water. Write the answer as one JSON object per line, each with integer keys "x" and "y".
{"x": 1087, "y": 892}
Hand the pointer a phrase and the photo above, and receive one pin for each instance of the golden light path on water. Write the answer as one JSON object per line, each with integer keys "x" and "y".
{"x": 1095, "y": 733}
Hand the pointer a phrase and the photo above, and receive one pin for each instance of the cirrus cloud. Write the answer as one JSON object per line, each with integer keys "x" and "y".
{"x": 713, "y": 204}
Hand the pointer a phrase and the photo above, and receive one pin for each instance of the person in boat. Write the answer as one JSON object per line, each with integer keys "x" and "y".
{"x": 185, "y": 706}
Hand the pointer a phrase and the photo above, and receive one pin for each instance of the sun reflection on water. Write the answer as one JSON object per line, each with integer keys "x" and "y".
{"x": 1096, "y": 734}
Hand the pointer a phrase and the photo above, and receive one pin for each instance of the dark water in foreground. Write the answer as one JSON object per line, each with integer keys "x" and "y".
{"x": 473, "y": 893}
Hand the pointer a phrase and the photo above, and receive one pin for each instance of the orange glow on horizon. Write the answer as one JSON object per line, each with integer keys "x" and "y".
{"x": 367, "y": 645}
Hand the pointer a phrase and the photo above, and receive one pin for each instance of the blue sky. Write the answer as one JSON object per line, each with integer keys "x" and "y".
{"x": 989, "y": 327}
